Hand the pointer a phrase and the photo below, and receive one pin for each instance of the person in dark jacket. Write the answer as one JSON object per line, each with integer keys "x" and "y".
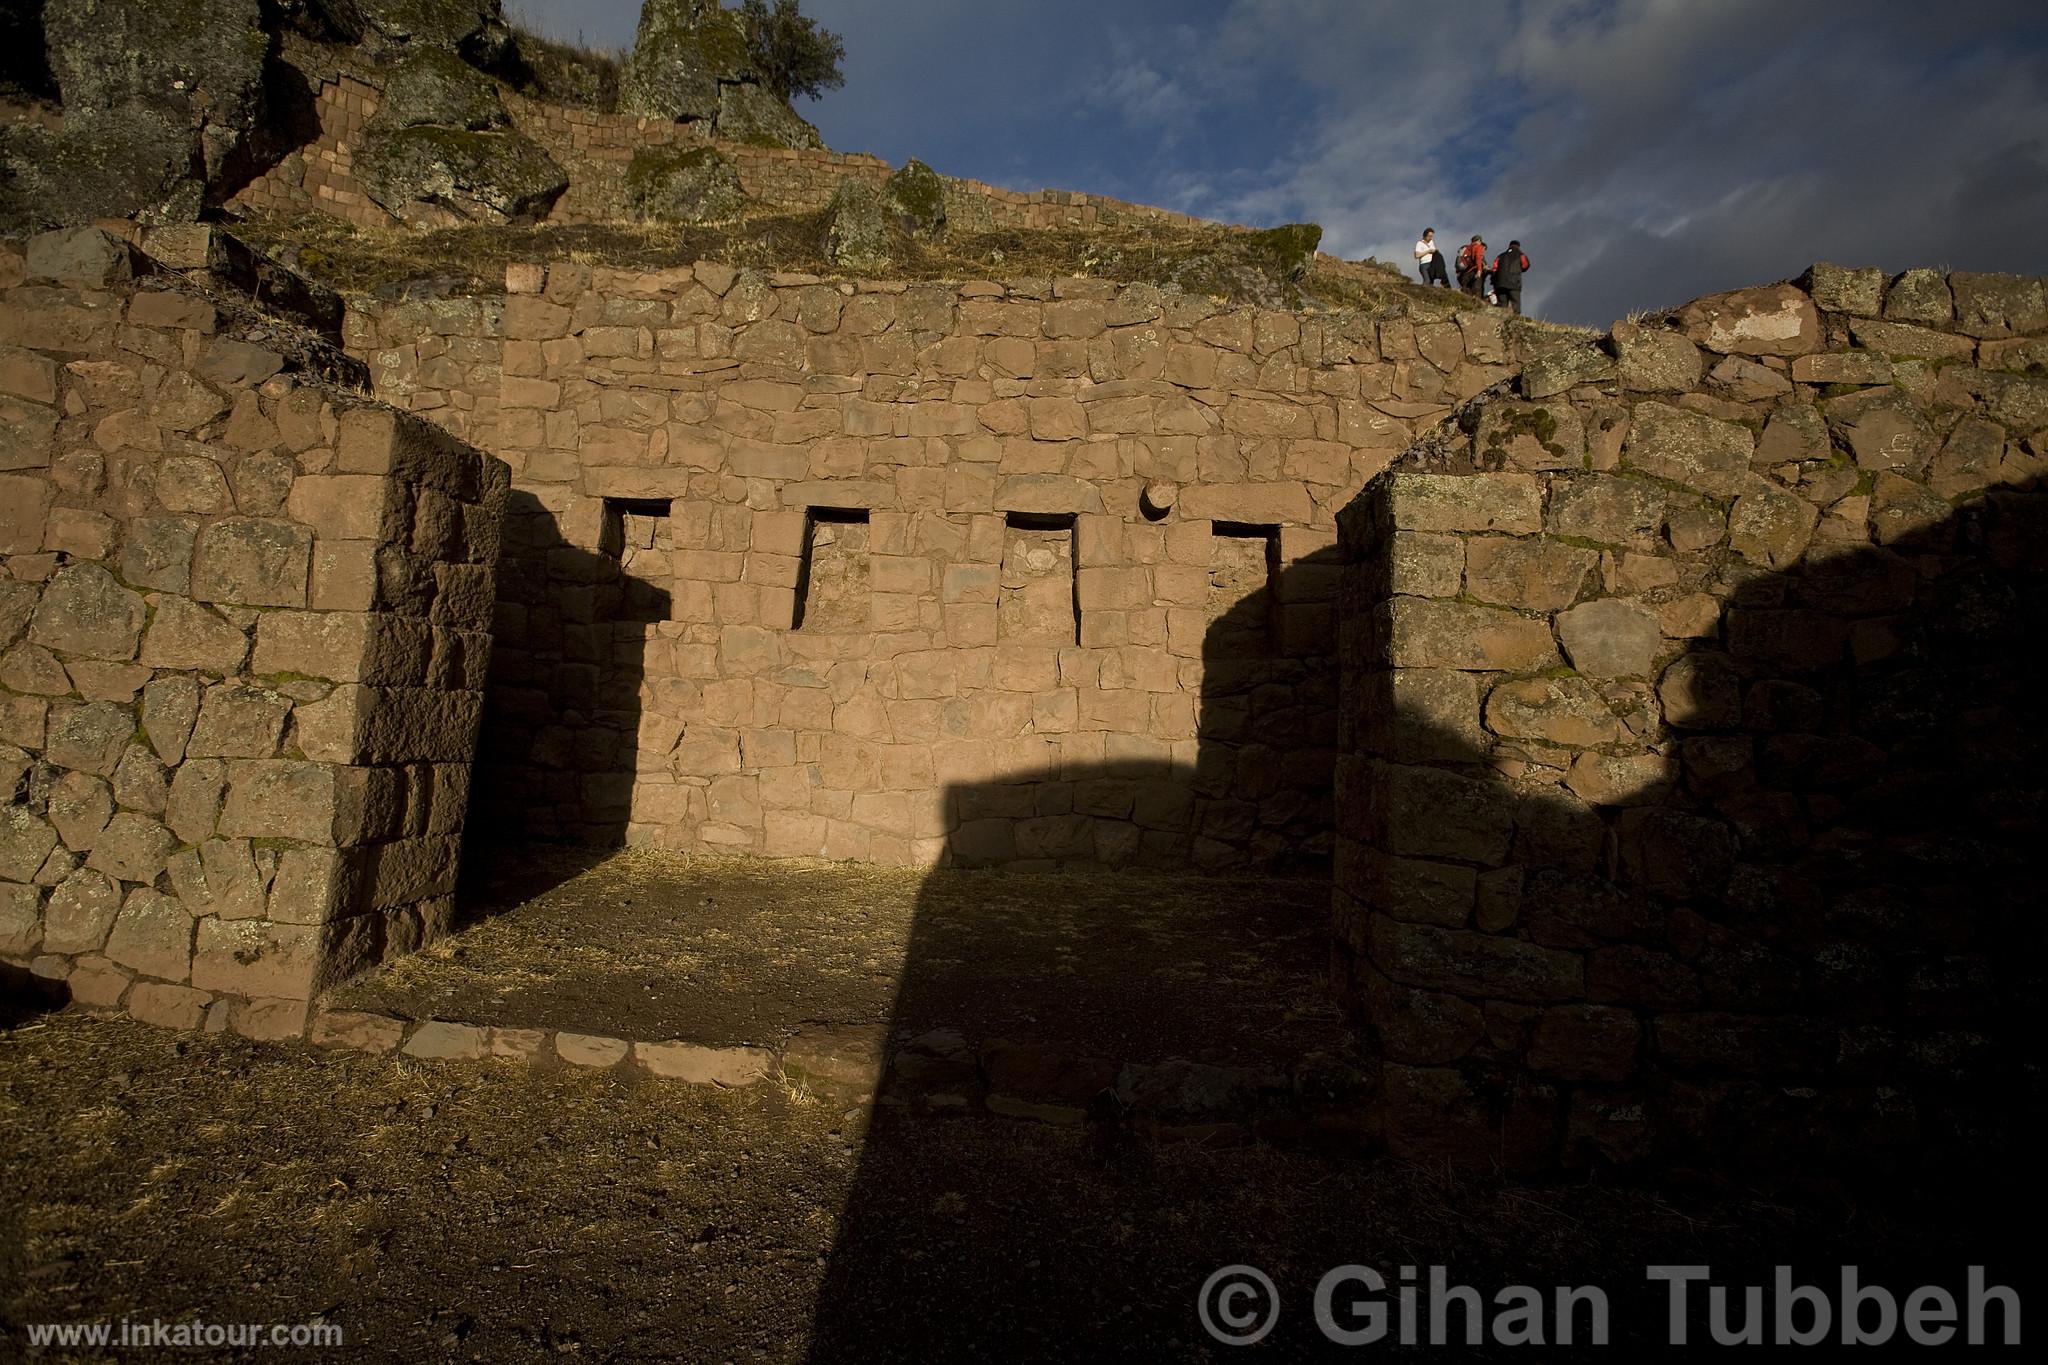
{"x": 1507, "y": 276}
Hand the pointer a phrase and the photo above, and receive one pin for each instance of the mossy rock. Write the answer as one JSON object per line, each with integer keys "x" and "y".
{"x": 749, "y": 112}
{"x": 917, "y": 196}
{"x": 682, "y": 52}
{"x": 495, "y": 176}
{"x": 1291, "y": 248}
{"x": 433, "y": 86}
{"x": 475, "y": 29}
{"x": 857, "y": 228}
{"x": 684, "y": 185}
{"x": 122, "y": 163}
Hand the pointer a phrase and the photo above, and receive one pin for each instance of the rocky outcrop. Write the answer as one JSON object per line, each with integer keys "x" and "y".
{"x": 857, "y": 236}
{"x": 475, "y": 29}
{"x": 917, "y": 196}
{"x": 690, "y": 64}
{"x": 161, "y": 102}
{"x": 684, "y": 185}
{"x": 442, "y": 148}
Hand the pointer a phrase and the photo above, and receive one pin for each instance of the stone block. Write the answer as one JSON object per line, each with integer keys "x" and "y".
{"x": 288, "y": 799}
{"x": 1586, "y": 1043}
{"x": 84, "y": 611}
{"x": 185, "y": 635}
{"x": 152, "y": 936}
{"x": 1690, "y": 448}
{"x": 238, "y": 721}
{"x": 81, "y": 910}
{"x": 255, "y": 958}
{"x": 132, "y": 847}
{"x": 435, "y": 1040}
{"x": 349, "y": 506}
{"x": 585, "y": 1049}
{"x": 1532, "y": 573}
{"x": 1509, "y": 503}
{"x": 699, "y": 1065}
{"x": 1655, "y": 359}
{"x": 24, "y": 509}
{"x": 21, "y": 919}
{"x": 1473, "y": 964}
{"x": 1771, "y": 526}
{"x": 1845, "y": 289}
{"x": 1430, "y": 813}
{"x": 356, "y": 1031}
{"x": 168, "y": 1006}
{"x": 253, "y": 561}
{"x": 83, "y": 257}
{"x": 90, "y": 738}
{"x": 1610, "y": 638}
{"x": 1566, "y": 711}
{"x": 1776, "y": 319}
{"x": 1421, "y": 633}
{"x": 1423, "y": 565}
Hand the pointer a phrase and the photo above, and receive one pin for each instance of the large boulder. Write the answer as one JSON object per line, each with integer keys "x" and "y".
{"x": 682, "y": 52}
{"x": 435, "y": 176}
{"x": 121, "y": 163}
{"x": 474, "y": 28}
{"x": 690, "y": 64}
{"x": 160, "y": 104}
{"x": 857, "y": 235}
{"x": 435, "y": 87}
{"x": 917, "y": 196}
{"x": 684, "y": 185}
{"x": 442, "y": 149}
{"x": 750, "y": 112}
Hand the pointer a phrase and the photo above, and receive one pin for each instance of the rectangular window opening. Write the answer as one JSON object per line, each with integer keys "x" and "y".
{"x": 832, "y": 575}
{"x": 636, "y": 536}
{"x": 1038, "y": 599}
{"x": 1244, "y": 568}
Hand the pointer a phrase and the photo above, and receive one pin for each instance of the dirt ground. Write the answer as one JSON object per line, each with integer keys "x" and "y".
{"x": 496, "y": 1211}
{"x": 490, "y": 1212}
{"x": 728, "y": 950}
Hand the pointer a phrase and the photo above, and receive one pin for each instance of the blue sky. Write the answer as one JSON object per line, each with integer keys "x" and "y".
{"x": 1644, "y": 151}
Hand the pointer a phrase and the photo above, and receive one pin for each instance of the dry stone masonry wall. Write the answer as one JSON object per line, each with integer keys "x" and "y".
{"x": 243, "y": 641}
{"x": 1690, "y": 787}
{"x": 1036, "y": 573}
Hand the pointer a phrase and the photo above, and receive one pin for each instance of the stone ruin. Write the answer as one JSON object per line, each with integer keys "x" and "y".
{"x": 1649, "y": 699}
{"x": 243, "y": 639}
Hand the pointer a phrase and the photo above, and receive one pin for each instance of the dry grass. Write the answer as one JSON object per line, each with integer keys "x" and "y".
{"x": 1217, "y": 262}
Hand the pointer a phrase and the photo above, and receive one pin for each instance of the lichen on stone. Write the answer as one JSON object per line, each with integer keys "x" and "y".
{"x": 917, "y": 195}
{"x": 684, "y": 185}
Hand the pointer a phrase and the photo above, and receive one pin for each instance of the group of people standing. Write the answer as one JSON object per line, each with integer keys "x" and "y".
{"x": 1497, "y": 281}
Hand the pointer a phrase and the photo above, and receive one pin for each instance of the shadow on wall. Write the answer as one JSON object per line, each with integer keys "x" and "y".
{"x": 1196, "y": 1007}
{"x": 1797, "y": 931}
{"x": 1823, "y": 888}
{"x": 563, "y": 716}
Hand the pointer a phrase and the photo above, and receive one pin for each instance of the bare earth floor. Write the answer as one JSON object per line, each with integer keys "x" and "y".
{"x": 502, "y": 1211}
{"x": 488, "y": 1211}
{"x": 723, "y": 950}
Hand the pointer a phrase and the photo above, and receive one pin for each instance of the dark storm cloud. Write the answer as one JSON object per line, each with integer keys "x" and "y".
{"x": 1644, "y": 152}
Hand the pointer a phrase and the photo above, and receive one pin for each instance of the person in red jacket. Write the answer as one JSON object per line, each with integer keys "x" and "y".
{"x": 1507, "y": 276}
{"x": 1472, "y": 266}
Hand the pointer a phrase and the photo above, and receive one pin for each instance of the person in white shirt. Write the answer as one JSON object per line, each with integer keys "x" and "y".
{"x": 1429, "y": 262}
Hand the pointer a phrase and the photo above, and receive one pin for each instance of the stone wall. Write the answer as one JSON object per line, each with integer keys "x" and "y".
{"x": 243, "y": 640}
{"x": 873, "y": 571}
{"x": 319, "y": 177}
{"x": 1690, "y": 781}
